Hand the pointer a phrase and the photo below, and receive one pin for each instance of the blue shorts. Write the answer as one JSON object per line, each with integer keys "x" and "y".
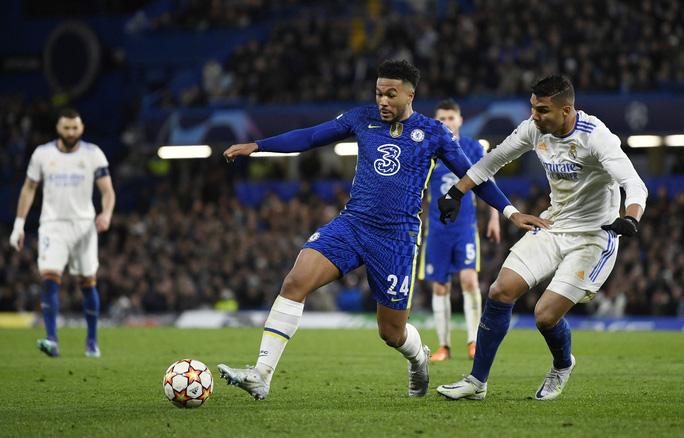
{"x": 390, "y": 259}
{"x": 446, "y": 253}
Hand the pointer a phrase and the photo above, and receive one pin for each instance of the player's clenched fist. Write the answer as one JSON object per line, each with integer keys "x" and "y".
{"x": 239, "y": 149}
{"x": 102, "y": 222}
{"x": 627, "y": 226}
{"x": 449, "y": 204}
{"x": 17, "y": 236}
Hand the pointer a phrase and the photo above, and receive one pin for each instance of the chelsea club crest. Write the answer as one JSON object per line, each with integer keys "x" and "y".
{"x": 396, "y": 129}
{"x": 417, "y": 135}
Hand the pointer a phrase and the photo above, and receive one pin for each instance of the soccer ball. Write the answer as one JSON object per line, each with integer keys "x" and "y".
{"x": 188, "y": 383}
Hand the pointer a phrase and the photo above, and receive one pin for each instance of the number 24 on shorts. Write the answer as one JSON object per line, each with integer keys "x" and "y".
{"x": 393, "y": 280}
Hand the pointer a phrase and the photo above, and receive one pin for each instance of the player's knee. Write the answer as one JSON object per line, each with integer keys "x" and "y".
{"x": 469, "y": 286}
{"x": 393, "y": 336}
{"x": 295, "y": 287}
{"x": 440, "y": 289}
{"x": 544, "y": 318}
{"x": 499, "y": 292}
{"x": 469, "y": 280}
{"x": 49, "y": 275}
{"x": 85, "y": 282}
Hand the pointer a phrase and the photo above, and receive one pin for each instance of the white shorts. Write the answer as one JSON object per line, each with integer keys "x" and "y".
{"x": 72, "y": 242}
{"x": 579, "y": 262}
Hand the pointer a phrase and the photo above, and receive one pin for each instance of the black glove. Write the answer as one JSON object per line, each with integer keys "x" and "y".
{"x": 449, "y": 204}
{"x": 625, "y": 226}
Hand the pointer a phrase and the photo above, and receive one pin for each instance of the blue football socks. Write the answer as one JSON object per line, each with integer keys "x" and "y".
{"x": 493, "y": 327}
{"x": 559, "y": 340}
{"x": 91, "y": 309}
{"x": 49, "y": 303}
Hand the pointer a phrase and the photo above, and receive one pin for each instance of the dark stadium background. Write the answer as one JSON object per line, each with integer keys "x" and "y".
{"x": 192, "y": 234}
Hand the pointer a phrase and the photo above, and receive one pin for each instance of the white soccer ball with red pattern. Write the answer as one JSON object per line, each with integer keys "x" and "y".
{"x": 188, "y": 383}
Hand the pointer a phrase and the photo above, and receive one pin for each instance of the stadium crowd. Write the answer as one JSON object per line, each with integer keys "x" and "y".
{"x": 333, "y": 56}
{"x": 196, "y": 245}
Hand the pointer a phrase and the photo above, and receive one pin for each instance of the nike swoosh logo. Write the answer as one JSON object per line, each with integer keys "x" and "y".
{"x": 374, "y": 126}
{"x": 394, "y": 300}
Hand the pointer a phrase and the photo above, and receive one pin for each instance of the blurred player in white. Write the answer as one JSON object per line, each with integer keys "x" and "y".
{"x": 585, "y": 167}
{"x": 67, "y": 167}
{"x": 454, "y": 247}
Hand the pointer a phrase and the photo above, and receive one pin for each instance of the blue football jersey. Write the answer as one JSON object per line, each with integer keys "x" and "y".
{"x": 394, "y": 164}
{"x": 441, "y": 181}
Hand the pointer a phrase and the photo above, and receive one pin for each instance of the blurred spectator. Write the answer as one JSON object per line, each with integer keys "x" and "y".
{"x": 180, "y": 251}
{"x": 497, "y": 48}
{"x": 610, "y": 303}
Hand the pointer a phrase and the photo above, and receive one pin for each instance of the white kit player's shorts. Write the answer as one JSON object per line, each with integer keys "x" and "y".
{"x": 68, "y": 241}
{"x": 579, "y": 262}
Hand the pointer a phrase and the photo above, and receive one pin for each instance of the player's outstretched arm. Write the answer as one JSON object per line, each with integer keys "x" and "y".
{"x": 516, "y": 144}
{"x": 237, "y": 150}
{"x": 294, "y": 141}
{"x": 488, "y": 191}
{"x": 104, "y": 219}
{"x": 28, "y": 193}
{"x": 453, "y": 157}
{"x": 529, "y": 222}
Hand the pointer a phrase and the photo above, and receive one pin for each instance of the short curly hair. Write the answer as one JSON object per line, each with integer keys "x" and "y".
{"x": 399, "y": 69}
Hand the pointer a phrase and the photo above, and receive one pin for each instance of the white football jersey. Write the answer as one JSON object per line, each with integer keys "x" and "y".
{"x": 585, "y": 170}
{"x": 67, "y": 179}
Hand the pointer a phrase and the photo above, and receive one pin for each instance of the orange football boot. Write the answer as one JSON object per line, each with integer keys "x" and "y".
{"x": 443, "y": 353}
{"x": 471, "y": 350}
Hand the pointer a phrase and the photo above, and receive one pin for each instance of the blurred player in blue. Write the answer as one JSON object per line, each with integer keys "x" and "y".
{"x": 454, "y": 248}
{"x": 379, "y": 227}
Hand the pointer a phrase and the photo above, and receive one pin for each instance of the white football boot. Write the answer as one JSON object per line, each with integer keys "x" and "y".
{"x": 554, "y": 382}
{"x": 92, "y": 349}
{"x": 419, "y": 378}
{"x": 48, "y": 347}
{"x": 468, "y": 388}
{"x": 248, "y": 379}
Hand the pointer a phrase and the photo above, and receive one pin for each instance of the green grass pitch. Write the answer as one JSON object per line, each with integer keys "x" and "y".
{"x": 338, "y": 383}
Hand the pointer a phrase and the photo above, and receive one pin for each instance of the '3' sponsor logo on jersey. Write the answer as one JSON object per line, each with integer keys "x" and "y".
{"x": 388, "y": 164}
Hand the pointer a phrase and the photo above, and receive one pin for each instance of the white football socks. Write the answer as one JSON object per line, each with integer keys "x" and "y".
{"x": 280, "y": 326}
{"x": 472, "y": 309}
{"x": 413, "y": 347}
{"x": 441, "y": 308}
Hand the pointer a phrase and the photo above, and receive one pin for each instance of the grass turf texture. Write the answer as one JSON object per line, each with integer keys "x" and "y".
{"x": 338, "y": 383}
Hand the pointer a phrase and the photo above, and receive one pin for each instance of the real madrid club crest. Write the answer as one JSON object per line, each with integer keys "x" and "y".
{"x": 573, "y": 151}
{"x": 396, "y": 129}
{"x": 417, "y": 135}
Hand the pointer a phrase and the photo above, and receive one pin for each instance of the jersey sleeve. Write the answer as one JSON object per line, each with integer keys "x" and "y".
{"x": 475, "y": 150}
{"x": 100, "y": 163}
{"x": 453, "y": 157}
{"x": 516, "y": 144}
{"x": 315, "y": 136}
{"x": 34, "y": 171}
{"x": 605, "y": 146}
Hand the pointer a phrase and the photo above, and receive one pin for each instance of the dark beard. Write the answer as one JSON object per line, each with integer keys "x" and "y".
{"x": 69, "y": 145}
